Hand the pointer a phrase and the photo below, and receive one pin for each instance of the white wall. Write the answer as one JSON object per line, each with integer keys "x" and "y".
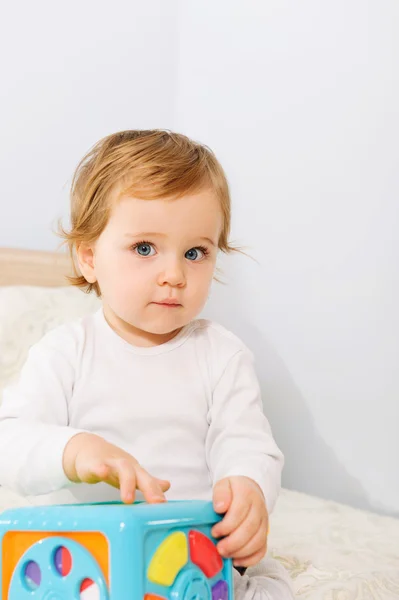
{"x": 73, "y": 72}
{"x": 299, "y": 100}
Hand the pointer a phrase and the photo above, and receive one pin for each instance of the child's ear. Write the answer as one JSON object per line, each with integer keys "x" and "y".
{"x": 85, "y": 256}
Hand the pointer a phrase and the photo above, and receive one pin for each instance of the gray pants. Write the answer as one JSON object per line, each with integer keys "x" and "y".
{"x": 266, "y": 581}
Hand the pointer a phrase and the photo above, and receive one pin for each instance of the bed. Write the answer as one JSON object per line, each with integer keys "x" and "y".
{"x": 332, "y": 551}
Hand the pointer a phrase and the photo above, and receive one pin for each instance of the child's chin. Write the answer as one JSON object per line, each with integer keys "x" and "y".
{"x": 166, "y": 327}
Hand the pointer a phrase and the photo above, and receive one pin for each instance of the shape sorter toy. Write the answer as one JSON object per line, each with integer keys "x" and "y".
{"x": 113, "y": 551}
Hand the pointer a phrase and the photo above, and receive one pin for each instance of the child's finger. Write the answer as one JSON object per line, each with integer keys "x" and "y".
{"x": 123, "y": 475}
{"x": 149, "y": 486}
{"x": 236, "y": 515}
{"x": 248, "y": 539}
{"x": 95, "y": 473}
{"x": 164, "y": 483}
{"x": 127, "y": 485}
{"x": 222, "y": 495}
{"x": 249, "y": 561}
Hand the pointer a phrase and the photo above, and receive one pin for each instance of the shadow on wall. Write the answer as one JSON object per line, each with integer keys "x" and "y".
{"x": 311, "y": 466}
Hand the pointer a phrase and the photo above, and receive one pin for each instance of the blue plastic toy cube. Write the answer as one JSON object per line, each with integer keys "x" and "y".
{"x": 113, "y": 551}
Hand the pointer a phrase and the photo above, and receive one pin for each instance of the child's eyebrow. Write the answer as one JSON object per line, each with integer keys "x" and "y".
{"x": 148, "y": 234}
{"x": 144, "y": 234}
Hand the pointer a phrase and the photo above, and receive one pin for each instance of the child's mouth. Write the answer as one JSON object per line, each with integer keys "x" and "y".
{"x": 168, "y": 304}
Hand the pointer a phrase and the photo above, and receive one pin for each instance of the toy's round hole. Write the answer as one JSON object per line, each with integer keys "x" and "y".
{"x": 89, "y": 590}
{"x": 62, "y": 561}
{"x": 32, "y": 575}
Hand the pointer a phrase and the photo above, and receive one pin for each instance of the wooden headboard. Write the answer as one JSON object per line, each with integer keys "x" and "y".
{"x": 33, "y": 267}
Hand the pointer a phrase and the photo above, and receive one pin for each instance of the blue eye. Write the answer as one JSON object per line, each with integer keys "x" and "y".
{"x": 144, "y": 249}
{"x": 195, "y": 254}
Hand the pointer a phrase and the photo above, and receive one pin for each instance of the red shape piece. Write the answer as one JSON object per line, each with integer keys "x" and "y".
{"x": 204, "y": 554}
{"x": 66, "y": 562}
{"x": 86, "y": 583}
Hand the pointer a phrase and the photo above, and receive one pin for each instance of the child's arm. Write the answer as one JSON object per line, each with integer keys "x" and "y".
{"x": 34, "y": 420}
{"x": 239, "y": 440}
{"x": 244, "y": 461}
{"x": 39, "y": 452}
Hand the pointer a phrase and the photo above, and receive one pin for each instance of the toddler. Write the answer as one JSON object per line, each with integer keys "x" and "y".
{"x": 142, "y": 398}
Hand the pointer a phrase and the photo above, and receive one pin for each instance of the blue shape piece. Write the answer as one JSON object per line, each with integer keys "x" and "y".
{"x": 191, "y": 584}
{"x": 52, "y": 585}
{"x": 220, "y": 591}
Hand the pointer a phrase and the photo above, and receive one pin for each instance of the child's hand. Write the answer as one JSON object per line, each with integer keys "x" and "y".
{"x": 245, "y": 523}
{"x": 89, "y": 458}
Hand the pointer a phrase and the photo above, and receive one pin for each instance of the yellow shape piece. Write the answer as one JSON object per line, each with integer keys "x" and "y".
{"x": 169, "y": 559}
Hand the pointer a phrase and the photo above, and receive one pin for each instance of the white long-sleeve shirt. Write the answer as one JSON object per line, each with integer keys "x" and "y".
{"x": 188, "y": 410}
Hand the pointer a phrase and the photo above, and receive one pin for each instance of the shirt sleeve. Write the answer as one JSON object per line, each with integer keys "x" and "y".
{"x": 34, "y": 423}
{"x": 239, "y": 440}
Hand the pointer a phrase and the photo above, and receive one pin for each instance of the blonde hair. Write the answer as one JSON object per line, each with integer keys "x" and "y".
{"x": 149, "y": 164}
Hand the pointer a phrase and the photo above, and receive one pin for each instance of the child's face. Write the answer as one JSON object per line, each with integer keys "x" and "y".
{"x": 152, "y": 251}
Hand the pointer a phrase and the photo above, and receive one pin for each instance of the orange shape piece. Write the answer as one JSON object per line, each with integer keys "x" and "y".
{"x": 153, "y": 597}
{"x": 15, "y": 544}
{"x": 204, "y": 554}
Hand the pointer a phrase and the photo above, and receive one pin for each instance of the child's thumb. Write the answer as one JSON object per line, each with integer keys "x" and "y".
{"x": 222, "y": 495}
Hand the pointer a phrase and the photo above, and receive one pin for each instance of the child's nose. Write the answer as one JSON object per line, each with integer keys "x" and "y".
{"x": 173, "y": 273}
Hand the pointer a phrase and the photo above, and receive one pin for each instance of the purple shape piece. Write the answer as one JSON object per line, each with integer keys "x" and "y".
{"x": 220, "y": 591}
{"x": 58, "y": 560}
{"x": 32, "y": 575}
